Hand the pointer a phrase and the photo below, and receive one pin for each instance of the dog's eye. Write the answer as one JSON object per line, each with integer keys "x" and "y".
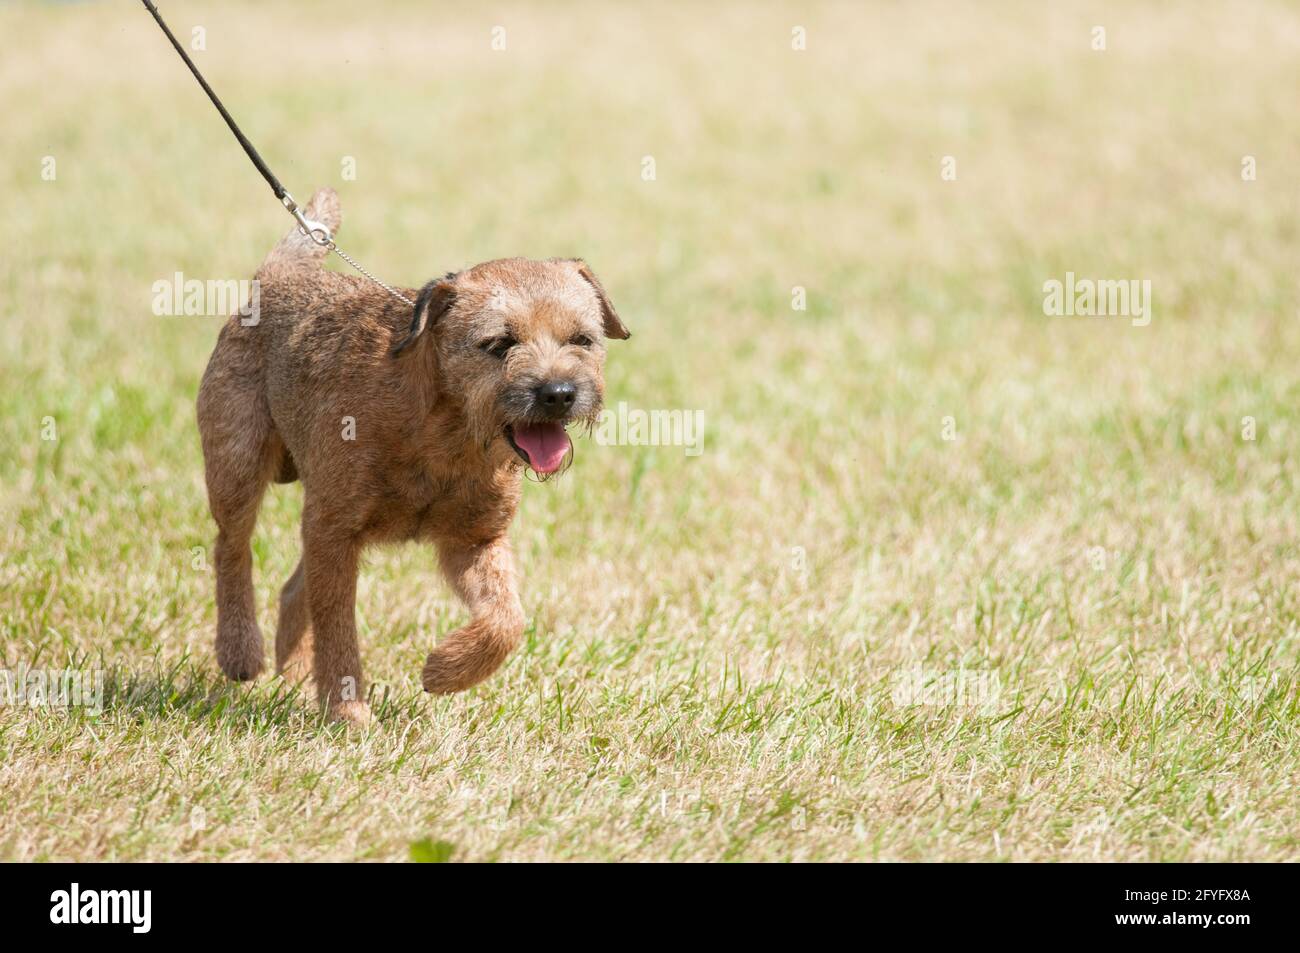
{"x": 581, "y": 341}
{"x": 498, "y": 347}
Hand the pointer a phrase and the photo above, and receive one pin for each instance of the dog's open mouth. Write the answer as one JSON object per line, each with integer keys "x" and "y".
{"x": 542, "y": 446}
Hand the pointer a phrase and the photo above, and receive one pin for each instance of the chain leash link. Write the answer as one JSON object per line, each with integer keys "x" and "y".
{"x": 320, "y": 234}
{"x": 353, "y": 262}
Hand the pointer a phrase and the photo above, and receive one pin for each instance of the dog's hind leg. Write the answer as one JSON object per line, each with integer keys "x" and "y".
{"x": 293, "y": 639}
{"x": 239, "y": 455}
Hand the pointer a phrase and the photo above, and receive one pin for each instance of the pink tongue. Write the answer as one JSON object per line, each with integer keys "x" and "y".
{"x": 545, "y": 444}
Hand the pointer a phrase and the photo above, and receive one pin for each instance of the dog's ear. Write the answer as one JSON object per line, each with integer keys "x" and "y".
{"x": 430, "y": 304}
{"x": 613, "y": 324}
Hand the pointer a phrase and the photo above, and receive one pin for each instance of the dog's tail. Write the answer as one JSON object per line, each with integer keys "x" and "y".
{"x": 296, "y": 248}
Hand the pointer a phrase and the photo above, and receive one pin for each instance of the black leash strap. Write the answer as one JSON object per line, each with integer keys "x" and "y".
{"x": 316, "y": 231}
{"x": 262, "y": 167}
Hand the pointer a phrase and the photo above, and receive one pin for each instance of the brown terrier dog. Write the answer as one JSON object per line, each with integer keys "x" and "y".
{"x": 400, "y": 428}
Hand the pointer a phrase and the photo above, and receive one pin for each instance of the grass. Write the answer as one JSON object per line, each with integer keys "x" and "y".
{"x": 1070, "y": 633}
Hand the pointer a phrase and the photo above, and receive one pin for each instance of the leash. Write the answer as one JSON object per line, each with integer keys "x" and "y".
{"x": 316, "y": 231}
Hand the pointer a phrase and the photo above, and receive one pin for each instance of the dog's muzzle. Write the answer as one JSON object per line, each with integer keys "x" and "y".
{"x": 539, "y": 415}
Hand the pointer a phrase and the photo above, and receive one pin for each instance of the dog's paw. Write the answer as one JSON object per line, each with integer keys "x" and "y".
{"x": 353, "y": 713}
{"x": 441, "y": 675}
{"x": 239, "y": 654}
{"x": 470, "y": 654}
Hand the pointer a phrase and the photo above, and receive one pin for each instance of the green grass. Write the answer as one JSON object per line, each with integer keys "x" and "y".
{"x": 718, "y": 646}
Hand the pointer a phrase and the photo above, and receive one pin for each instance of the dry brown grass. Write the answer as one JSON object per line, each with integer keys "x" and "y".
{"x": 717, "y": 643}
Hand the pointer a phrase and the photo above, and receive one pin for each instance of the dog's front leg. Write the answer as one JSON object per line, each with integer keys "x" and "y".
{"x": 331, "y": 568}
{"x": 483, "y": 575}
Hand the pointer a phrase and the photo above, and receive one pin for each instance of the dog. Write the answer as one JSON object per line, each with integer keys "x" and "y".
{"x": 401, "y": 426}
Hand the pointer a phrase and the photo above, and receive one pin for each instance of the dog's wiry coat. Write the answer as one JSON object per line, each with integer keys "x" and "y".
{"x": 398, "y": 427}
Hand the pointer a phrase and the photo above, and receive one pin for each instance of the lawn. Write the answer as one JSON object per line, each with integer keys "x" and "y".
{"x": 949, "y": 577}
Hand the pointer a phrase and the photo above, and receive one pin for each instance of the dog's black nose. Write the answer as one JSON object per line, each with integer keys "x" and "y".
{"x": 554, "y": 398}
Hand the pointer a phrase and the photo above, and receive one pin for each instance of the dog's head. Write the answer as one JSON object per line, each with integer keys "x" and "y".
{"x": 520, "y": 344}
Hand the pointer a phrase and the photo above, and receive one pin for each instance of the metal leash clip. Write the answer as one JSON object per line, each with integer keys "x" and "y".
{"x": 320, "y": 234}
{"x": 317, "y": 232}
